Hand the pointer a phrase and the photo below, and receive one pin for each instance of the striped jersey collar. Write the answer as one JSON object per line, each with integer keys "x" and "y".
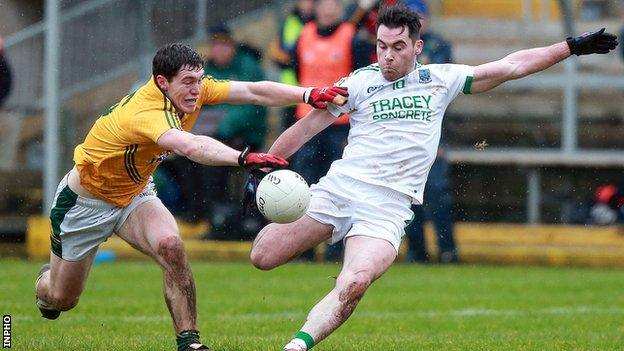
{"x": 154, "y": 92}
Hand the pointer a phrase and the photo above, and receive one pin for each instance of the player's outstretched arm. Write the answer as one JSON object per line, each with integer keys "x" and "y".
{"x": 211, "y": 152}
{"x": 525, "y": 62}
{"x": 269, "y": 93}
{"x": 299, "y": 133}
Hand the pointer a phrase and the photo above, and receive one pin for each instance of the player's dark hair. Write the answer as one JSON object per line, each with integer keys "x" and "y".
{"x": 398, "y": 16}
{"x": 171, "y": 57}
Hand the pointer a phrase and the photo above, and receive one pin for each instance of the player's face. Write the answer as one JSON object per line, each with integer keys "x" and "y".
{"x": 183, "y": 89}
{"x": 396, "y": 52}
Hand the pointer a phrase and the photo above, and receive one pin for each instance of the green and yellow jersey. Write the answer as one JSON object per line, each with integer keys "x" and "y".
{"x": 120, "y": 152}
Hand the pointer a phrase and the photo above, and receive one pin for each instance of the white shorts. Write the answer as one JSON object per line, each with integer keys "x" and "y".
{"x": 80, "y": 224}
{"x": 357, "y": 208}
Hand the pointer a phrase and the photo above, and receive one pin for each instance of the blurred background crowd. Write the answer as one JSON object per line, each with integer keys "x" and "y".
{"x": 545, "y": 150}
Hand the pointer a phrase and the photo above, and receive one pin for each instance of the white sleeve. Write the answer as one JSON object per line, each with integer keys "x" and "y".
{"x": 459, "y": 79}
{"x": 349, "y": 83}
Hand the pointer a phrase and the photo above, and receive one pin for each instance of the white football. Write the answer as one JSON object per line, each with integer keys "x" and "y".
{"x": 283, "y": 196}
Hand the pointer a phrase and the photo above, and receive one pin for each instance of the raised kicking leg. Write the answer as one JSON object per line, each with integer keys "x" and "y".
{"x": 365, "y": 260}
{"x": 277, "y": 244}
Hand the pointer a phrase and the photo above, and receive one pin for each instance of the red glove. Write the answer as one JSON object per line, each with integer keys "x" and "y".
{"x": 319, "y": 97}
{"x": 255, "y": 160}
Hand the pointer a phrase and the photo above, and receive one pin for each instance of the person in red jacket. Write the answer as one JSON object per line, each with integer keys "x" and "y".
{"x": 323, "y": 54}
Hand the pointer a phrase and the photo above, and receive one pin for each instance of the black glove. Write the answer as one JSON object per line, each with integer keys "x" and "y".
{"x": 249, "y": 193}
{"x": 592, "y": 43}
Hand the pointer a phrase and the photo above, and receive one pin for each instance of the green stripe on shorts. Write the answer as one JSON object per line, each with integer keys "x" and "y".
{"x": 65, "y": 201}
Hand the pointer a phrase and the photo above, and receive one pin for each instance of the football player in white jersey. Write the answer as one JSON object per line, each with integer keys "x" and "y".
{"x": 396, "y": 109}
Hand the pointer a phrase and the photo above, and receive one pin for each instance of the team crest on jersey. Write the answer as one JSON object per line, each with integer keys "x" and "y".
{"x": 424, "y": 76}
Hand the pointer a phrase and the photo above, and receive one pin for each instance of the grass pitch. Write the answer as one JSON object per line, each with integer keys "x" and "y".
{"x": 410, "y": 308}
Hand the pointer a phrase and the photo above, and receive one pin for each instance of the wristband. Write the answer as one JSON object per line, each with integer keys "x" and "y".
{"x": 571, "y": 44}
{"x": 243, "y": 156}
{"x": 306, "y": 95}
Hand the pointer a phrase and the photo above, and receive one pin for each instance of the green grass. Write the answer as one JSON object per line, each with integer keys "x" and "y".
{"x": 410, "y": 308}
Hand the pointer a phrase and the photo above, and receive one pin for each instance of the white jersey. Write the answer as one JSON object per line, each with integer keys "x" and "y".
{"x": 396, "y": 126}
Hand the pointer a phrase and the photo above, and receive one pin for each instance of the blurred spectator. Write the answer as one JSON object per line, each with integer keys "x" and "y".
{"x": 438, "y": 200}
{"x": 213, "y": 193}
{"x": 323, "y": 54}
{"x": 608, "y": 207}
{"x": 168, "y": 189}
{"x": 436, "y": 48}
{"x": 622, "y": 46}
{"x": 363, "y": 14}
{"x": 282, "y": 47}
{"x": 5, "y": 75}
{"x": 238, "y": 125}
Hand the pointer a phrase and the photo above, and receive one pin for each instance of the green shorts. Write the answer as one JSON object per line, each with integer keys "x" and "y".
{"x": 81, "y": 224}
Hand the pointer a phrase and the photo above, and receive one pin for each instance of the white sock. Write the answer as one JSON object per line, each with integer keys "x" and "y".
{"x": 296, "y": 344}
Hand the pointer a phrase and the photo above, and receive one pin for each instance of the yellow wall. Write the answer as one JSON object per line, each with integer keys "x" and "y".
{"x": 502, "y": 9}
{"x": 38, "y": 234}
{"x": 38, "y": 237}
{"x": 477, "y": 243}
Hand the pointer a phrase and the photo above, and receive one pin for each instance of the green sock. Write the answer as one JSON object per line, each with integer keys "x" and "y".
{"x": 306, "y": 338}
{"x": 186, "y": 338}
